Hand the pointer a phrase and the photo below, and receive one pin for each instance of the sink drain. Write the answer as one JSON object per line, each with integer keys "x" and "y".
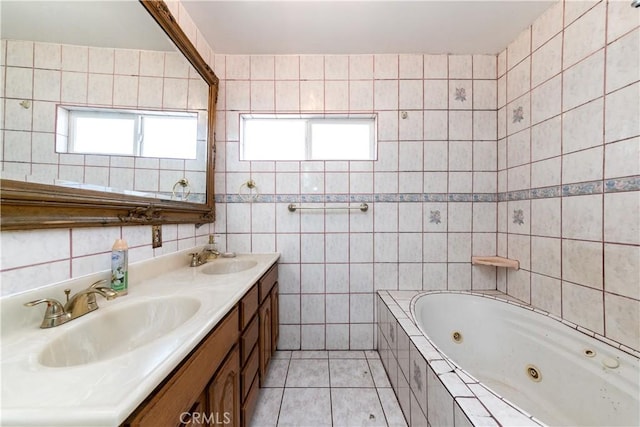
{"x": 533, "y": 373}
{"x": 456, "y": 336}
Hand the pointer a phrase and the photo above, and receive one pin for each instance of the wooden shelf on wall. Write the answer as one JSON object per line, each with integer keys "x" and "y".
{"x": 496, "y": 261}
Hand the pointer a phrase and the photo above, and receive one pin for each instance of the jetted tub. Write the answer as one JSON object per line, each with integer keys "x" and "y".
{"x": 556, "y": 373}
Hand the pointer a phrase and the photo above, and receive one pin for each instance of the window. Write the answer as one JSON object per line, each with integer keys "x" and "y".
{"x": 307, "y": 138}
{"x": 128, "y": 133}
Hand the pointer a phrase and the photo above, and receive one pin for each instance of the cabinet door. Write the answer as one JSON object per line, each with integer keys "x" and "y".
{"x": 224, "y": 393}
{"x": 196, "y": 415}
{"x": 265, "y": 337}
{"x": 275, "y": 316}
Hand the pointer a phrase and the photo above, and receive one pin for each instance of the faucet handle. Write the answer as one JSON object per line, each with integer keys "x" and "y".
{"x": 54, "y": 315}
{"x": 195, "y": 259}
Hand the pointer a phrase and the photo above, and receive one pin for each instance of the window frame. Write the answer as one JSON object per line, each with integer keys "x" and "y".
{"x": 370, "y": 119}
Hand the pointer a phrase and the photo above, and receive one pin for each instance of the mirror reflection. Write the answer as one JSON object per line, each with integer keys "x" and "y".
{"x": 96, "y": 96}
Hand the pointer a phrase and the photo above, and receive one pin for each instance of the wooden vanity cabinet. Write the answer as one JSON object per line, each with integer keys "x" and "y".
{"x": 268, "y": 336}
{"x": 224, "y": 393}
{"x": 172, "y": 402}
{"x": 219, "y": 382}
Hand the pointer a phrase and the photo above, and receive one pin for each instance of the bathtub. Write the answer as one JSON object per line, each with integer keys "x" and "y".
{"x": 543, "y": 366}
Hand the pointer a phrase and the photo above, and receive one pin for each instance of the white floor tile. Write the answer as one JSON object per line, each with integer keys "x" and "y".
{"x": 277, "y": 373}
{"x": 324, "y": 388}
{"x": 307, "y": 407}
{"x": 308, "y": 373}
{"x": 350, "y": 373}
{"x": 268, "y": 408}
{"x": 356, "y": 407}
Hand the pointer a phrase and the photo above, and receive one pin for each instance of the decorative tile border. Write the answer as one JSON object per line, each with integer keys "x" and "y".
{"x": 579, "y": 189}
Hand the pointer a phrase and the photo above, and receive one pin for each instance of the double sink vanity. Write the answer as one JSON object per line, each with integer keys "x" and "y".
{"x": 186, "y": 346}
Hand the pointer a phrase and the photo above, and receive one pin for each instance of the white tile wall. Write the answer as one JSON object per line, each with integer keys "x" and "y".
{"x": 328, "y": 262}
{"x": 583, "y": 235}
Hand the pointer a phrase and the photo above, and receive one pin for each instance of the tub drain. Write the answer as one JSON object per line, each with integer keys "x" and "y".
{"x": 456, "y": 337}
{"x": 533, "y": 373}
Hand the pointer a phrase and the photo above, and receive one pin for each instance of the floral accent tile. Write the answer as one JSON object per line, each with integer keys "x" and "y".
{"x": 434, "y": 217}
{"x": 417, "y": 375}
{"x": 518, "y": 216}
{"x": 461, "y": 94}
{"x": 518, "y": 115}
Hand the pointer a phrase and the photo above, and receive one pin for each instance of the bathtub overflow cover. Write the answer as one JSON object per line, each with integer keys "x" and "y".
{"x": 534, "y": 373}
{"x": 456, "y": 337}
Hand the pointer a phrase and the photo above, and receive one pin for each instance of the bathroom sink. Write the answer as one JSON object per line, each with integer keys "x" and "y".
{"x": 105, "y": 335}
{"x": 228, "y": 266}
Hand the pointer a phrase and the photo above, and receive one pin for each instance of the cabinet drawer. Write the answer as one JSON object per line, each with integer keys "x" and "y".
{"x": 249, "y": 339}
{"x": 249, "y": 373}
{"x": 248, "y": 307}
{"x": 183, "y": 387}
{"x": 267, "y": 281}
{"x": 250, "y": 403}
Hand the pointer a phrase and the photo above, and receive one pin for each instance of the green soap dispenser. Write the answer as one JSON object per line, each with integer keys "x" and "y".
{"x": 120, "y": 267}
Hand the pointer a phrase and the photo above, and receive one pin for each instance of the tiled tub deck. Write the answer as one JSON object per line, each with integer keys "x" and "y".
{"x": 433, "y": 391}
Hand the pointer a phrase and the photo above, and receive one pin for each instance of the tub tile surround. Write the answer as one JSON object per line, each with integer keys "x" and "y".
{"x": 412, "y": 361}
{"x": 332, "y": 263}
{"x": 565, "y": 171}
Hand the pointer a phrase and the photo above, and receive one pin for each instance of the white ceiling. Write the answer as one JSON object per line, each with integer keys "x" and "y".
{"x": 119, "y": 24}
{"x": 359, "y": 27}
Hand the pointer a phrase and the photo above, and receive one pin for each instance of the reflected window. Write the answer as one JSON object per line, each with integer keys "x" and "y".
{"x": 127, "y": 132}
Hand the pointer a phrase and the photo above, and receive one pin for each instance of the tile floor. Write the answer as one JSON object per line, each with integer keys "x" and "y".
{"x": 327, "y": 388}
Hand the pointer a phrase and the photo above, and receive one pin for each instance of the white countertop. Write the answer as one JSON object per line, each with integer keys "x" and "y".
{"x": 104, "y": 393}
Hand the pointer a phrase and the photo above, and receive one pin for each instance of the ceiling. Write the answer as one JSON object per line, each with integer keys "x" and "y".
{"x": 118, "y": 24}
{"x": 362, "y": 27}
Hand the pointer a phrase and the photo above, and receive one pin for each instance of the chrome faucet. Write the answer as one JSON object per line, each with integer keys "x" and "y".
{"x": 78, "y": 305}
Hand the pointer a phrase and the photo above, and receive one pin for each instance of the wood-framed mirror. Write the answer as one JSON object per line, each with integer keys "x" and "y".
{"x": 35, "y": 205}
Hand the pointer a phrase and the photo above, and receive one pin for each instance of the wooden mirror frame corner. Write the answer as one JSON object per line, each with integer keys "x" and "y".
{"x": 27, "y": 206}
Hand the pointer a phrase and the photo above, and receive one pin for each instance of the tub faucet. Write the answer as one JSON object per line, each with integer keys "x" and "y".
{"x": 78, "y": 305}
